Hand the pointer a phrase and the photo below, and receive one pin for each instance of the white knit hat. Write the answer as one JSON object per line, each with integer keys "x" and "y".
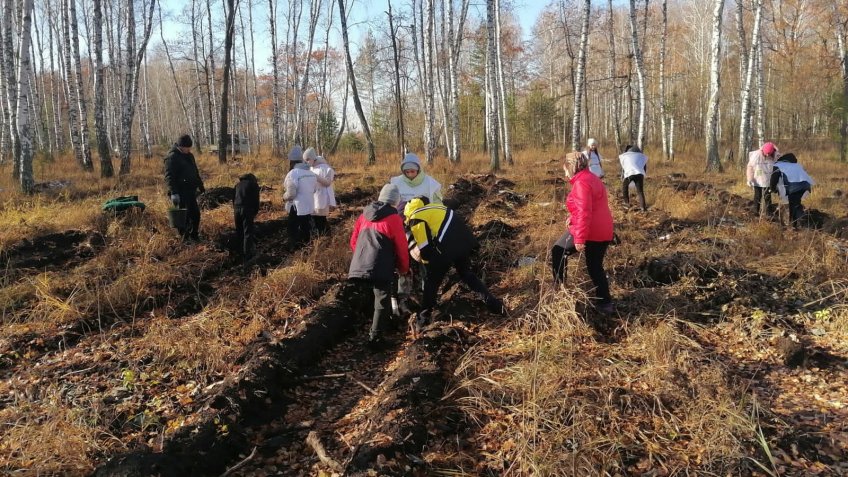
{"x": 592, "y": 142}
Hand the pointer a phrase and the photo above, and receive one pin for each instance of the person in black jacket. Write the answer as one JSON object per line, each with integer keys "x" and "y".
{"x": 183, "y": 181}
{"x": 440, "y": 239}
{"x": 245, "y": 208}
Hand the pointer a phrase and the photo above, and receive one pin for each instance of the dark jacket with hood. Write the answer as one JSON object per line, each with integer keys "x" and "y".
{"x": 789, "y": 174}
{"x": 378, "y": 242}
{"x": 440, "y": 234}
{"x": 247, "y": 193}
{"x": 181, "y": 174}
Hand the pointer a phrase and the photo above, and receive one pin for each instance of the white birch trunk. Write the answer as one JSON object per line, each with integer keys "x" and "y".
{"x": 9, "y": 90}
{"x": 710, "y": 133}
{"x": 640, "y": 74}
{"x": 276, "y": 118}
{"x": 504, "y": 112}
{"x": 132, "y": 67}
{"x": 454, "y": 47}
{"x": 842, "y": 50}
{"x": 429, "y": 88}
{"x": 314, "y": 13}
{"x": 613, "y": 72}
{"x": 491, "y": 89}
{"x": 106, "y": 169}
{"x": 258, "y": 134}
{"x": 76, "y": 82}
{"x": 761, "y": 94}
{"x": 579, "y": 80}
{"x": 663, "y": 108}
{"x": 24, "y": 107}
{"x": 745, "y": 100}
{"x": 212, "y": 92}
{"x": 71, "y": 91}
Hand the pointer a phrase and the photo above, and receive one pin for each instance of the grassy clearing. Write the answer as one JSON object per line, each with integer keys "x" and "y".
{"x": 547, "y": 395}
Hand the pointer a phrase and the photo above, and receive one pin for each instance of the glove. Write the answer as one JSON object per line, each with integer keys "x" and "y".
{"x": 175, "y": 199}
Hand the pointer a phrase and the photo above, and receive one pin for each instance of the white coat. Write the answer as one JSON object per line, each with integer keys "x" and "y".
{"x": 429, "y": 188}
{"x": 758, "y": 172}
{"x": 594, "y": 163}
{"x": 325, "y": 196}
{"x": 300, "y": 185}
{"x": 632, "y": 163}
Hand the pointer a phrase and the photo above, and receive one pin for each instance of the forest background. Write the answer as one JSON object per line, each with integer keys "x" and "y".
{"x": 111, "y": 80}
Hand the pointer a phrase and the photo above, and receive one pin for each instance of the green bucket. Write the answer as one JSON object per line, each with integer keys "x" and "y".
{"x": 177, "y": 218}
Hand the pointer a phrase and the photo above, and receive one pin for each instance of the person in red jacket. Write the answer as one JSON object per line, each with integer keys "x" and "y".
{"x": 379, "y": 247}
{"x": 590, "y": 228}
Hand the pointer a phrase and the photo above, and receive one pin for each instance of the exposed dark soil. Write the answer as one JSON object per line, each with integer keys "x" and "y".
{"x": 53, "y": 250}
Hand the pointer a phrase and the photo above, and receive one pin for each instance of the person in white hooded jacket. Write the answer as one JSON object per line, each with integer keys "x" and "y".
{"x": 413, "y": 182}
{"x": 299, "y": 194}
{"x": 634, "y": 165}
{"x": 325, "y": 196}
{"x": 594, "y": 157}
{"x": 792, "y": 183}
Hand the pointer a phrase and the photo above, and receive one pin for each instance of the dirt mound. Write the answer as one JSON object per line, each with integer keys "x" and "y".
{"x": 54, "y": 250}
{"x": 216, "y": 197}
{"x": 358, "y": 195}
{"x": 672, "y": 268}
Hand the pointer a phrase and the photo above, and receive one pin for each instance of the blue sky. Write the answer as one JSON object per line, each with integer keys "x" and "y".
{"x": 362, "y": 14}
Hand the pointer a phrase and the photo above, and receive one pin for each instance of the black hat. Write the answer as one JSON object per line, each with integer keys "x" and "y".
{"x": 184, "y": 141}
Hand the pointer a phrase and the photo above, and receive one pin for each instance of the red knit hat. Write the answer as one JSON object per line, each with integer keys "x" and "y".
{"x": 768, "y": 149}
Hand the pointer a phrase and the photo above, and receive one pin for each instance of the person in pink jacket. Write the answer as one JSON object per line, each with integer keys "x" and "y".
{"x": 590, "y": 228}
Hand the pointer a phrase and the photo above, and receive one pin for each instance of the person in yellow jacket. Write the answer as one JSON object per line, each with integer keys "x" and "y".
{"x": 440, "y": 239}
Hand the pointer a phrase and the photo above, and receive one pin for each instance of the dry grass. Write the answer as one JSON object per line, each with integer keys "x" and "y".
{"x": 575, "y": 406}
{"x": 46, "y": 436}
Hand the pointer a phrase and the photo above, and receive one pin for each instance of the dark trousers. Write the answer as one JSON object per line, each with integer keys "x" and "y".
{"x": 639, "y": 181}
{"x": 299, "y": 226}
{"x": 188, "y": 201}
{"x": 594, "y": 252}
{"x": 435, "y": 273}
{"x": 762, "y": 194}
{"x": 320, "y": 223}
{"x": 245, "y": 230}
{"x": 382, "y": 305}
{"x": 796, "y": 210}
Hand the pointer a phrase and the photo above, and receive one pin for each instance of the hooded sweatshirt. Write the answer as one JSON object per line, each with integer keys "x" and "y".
{"x": 300, "y": 185}
{"x": 325, "y": 195}
{"x": 633, "y": 163}
{"x": 421, "y": 185}
{"x": 379, "y": 245}
{"x": 789, "y": 177}
{"x": 247, "y": 193}
{"x": 759, "y": 168}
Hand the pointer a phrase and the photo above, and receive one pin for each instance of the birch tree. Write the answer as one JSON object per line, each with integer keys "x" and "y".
{"x": 454, "y": 41}
{"x": 314, "y": 13}
{"x": 491, "y": 89}
{"x": 132, "y": 67}
{"x": 504, "y": 112}
{"x": 842, "y": 49}
{"x": 75, "y": 82}
{"x": 580, "y": 78}
{"x": 640, "y": 73}
{"x": 103, "y": 151}
{"x": 398, "y": 98}
{"x": 613, "y": 72}
{"x": 225, "y": 89}
{"x": 710, "y": 132}
{"x": 25, "y": 108}
{"x": 745, "y": 101}
{"x": 276, "y": 120}
{"x": 372, "y": 156}
{"x": 663, "y": 105}
{"x": 7, "y": 70}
